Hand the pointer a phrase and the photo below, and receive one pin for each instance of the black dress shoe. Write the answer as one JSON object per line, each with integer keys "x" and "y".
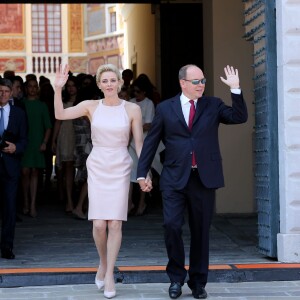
{"x": 7, "y": 253}
{"x": 199, "y": 292}
{"x": 175, "y": 290}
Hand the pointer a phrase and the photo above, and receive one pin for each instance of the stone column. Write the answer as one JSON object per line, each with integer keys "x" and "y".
{"x": 288, "y": 66}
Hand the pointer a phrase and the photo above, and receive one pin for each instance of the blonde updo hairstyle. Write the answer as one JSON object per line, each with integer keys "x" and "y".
{"x": 109, "y": 68}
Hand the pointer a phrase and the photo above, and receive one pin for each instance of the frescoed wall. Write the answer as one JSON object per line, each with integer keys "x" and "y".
{"x": 17, "y": 64}
{"x": 106, "y": 50}
{"x": 75, "y": 28}
{"x": 78, "y": 64}
{"x": 12, "y": 37}
{"x": 95, "y": 19}
{"x": 113, "y": 43}
{"x": 12, "y": 44}
{"x": 94, "y": 64}
{"x": 87, "y": 38}
{"x": 11, "y": 19}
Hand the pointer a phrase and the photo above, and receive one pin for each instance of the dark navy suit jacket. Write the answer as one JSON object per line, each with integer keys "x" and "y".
{"x": 169, "y": 126}
{"x": 16, "y": 132}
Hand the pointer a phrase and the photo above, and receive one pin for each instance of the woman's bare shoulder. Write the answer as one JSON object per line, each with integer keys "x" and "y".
{"x": 91, "y": 102}
{"x": 89, "y": 107}
{"x": 133, "y": 110}
{"x": 132, "y": 106}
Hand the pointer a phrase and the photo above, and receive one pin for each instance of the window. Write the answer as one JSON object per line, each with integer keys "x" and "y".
{"x": 46, "y": 28}
{"x": 113, "y": 21}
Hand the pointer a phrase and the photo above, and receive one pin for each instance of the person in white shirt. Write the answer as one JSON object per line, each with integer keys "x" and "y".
{"x": 140, "y": 90}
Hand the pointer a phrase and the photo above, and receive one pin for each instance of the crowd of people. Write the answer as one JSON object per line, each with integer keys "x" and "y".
{"x": 67, "y": 141}
{"x": 58, "y": 149}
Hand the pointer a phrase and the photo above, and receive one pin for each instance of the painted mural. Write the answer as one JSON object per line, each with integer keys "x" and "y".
{"x": 78, "y": 64}
{"x": 105, "y": 50}
{"x": 105, "y": 44}
{"x": 113, "y": 59}
{"x": 75, "y": 28}
{"x": 12, "y": 44}
{"x": 17, "y": 64}
{"x": 95, "y": 18}
{"x": 94, "y": 63}
{"x": 11, "y": 19}
{"x": 88, "y": 39}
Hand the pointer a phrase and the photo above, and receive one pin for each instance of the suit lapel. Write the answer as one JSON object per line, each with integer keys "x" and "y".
{"x": 201, "y": 104}
{"x": 176, "y": 106}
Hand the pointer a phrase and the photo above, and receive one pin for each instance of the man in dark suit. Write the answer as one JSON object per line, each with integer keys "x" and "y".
{"x": 17, "y": 92}
{"x": 13, "y": 137}
{"x": 192, "y": 169}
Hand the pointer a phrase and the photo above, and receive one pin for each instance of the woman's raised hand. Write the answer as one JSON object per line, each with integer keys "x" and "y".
{"x": 61, "y": 76}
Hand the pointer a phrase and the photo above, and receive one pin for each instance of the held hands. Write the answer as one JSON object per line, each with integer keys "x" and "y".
{"x": 145, "y": 184}
{"x": 61, "y": 76}
{"x": 232, "y": 77}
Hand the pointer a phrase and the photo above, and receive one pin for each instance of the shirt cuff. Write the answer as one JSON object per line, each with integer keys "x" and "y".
{"x": 236, "y": 91}
{"x": 140, "y": 178}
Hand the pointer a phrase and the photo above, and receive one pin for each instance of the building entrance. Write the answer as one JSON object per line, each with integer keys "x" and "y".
{"x": 181, "y": 30}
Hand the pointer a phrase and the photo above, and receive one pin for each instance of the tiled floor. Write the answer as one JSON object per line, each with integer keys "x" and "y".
{"x": 158, "y": 291}
{"x": 55, "y": 239}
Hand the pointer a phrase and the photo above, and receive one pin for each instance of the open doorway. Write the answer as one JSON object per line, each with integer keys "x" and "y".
{"x": 181, "y": 30}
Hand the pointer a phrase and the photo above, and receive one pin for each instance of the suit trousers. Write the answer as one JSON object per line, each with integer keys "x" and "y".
{"x": 200, "y": 203}
{"x": 8, "y": 188}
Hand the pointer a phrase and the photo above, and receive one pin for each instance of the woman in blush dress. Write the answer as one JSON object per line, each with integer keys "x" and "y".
{"x": 113, "y": 120}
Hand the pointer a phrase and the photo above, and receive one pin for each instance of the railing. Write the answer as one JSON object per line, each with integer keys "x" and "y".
{"x": 45, "y": 64}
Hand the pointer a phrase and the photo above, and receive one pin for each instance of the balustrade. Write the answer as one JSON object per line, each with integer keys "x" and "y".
{"x": 45, "y": 63}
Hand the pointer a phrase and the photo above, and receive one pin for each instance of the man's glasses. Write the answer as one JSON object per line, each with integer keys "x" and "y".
{"x": 196, "y": 81}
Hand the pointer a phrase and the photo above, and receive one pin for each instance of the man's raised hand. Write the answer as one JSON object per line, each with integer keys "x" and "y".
{"x": 232, "y": 77}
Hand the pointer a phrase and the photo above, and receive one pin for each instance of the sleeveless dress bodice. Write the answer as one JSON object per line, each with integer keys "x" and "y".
{"x": 109, "y": 163}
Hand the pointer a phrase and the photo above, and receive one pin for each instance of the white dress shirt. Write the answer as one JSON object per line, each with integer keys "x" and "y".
{"x": 6, "y": 111}
{"x": 185, "y": 105}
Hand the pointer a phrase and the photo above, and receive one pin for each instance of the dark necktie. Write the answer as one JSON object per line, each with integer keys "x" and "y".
{"x": 1, "y": 121}
{"x": 191, "y": 119}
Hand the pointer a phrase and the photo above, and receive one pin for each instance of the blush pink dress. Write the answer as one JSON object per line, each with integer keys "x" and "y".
{"x": 109, "y": 163}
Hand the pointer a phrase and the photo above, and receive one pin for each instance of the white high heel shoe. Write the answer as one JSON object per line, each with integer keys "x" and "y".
{"x": 110, "y": 295}
{"x": 99, "y": 283}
